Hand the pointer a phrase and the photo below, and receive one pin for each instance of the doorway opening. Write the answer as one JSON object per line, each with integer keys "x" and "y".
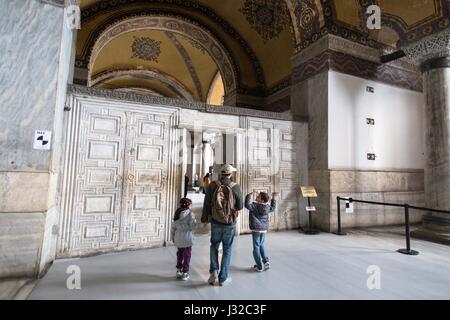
{"x": 206, "y": 152}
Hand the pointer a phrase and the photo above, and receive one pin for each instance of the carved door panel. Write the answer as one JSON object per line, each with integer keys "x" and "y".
{"x": 288, "y": 177}
{"x": 261, "y": 162}
{"x": 98, "y": 180}
{"x": 272, "y": 167}
{"x": 146, "y": 162}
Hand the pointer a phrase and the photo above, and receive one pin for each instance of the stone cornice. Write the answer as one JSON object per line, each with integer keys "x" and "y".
{"x": 199, "y": 106}
{"x": 357, "y": 50}
{"x": 358, "y": 67}
{"x": 432, "y": 47}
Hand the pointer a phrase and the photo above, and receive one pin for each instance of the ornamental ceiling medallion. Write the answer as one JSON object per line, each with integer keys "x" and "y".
{"x": 146, "y": 49}
{"x": 267, "y": 17}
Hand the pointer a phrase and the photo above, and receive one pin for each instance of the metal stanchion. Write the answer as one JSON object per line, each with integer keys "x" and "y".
{"x": 310, "y": 229}
{"x": 408, "y": 235}
{"x": 339, "y": 231}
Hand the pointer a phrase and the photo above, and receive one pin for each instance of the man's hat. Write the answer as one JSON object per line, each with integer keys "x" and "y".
{"x": 228, "y": 169}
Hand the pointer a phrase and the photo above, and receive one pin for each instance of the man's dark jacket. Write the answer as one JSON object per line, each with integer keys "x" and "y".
{"x": 207, "y": 203}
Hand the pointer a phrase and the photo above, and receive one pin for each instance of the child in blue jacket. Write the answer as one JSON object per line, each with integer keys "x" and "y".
{"x": 259, "y": 225}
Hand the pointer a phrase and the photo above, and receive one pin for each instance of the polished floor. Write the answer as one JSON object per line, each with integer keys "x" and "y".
{"x": 323, "y": 266}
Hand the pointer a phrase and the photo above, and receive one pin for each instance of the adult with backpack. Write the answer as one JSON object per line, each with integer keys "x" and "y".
{"x": 223, "y": 200}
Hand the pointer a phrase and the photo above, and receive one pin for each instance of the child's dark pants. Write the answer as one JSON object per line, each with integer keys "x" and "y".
{"x": 183, "y": 258}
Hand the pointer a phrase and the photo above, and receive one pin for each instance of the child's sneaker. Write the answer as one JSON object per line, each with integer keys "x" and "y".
{"x": 255, "y": 268}
{"x": 179, "y": 273}
{"x": 266, "y": 266}
{"x": 227, "y": 281}
{"x": 212, "y": 278}
{"x": 185, "y": 276}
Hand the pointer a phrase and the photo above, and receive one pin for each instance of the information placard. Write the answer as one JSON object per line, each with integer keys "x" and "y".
{"x": 309, "y": 192}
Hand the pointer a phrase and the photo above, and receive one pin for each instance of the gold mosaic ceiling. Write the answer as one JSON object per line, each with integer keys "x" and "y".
{"x": 249, "y": 42}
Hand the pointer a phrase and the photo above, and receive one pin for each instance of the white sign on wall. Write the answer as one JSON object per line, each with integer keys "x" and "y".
{"x": 348, "y": 206}
{"x": 42, "y": 140}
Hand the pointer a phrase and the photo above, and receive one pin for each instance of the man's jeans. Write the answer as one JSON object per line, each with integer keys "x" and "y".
{"x": 259, "y": 252}
{"x": 221, "y": 234}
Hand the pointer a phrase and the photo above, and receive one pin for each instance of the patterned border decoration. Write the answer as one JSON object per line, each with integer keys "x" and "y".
{"x": 355, "y": 49}
{"x": 190, "y": 66}
{"x": 147, "y": 74}
{"x": 195, "y": 45}
{"x": 431, "y": 47}
{"x": 347, "y": 64}
{"x": 199, "y": 106}
{"x": 170, "y": 10}
{"x": 217, "y": 52}
{"x": 140, "y": 90}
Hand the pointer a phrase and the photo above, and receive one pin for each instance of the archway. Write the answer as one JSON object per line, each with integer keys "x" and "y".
{"x": 186, "y": 28}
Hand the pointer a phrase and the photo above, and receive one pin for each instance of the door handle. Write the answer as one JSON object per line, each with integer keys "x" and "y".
{"x": 119, "y": 178}
{"x": 130, "y": 177}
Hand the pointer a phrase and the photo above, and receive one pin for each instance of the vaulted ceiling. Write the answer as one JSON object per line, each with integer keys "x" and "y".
{"x": 177, "y": 48}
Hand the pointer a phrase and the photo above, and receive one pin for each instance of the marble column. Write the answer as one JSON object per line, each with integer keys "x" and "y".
{"x": 207, "y": 153}
{"x": 433, "y": 55}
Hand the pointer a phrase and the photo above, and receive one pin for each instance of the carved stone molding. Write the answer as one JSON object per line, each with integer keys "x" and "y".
{"x": 348, "y": 64}
{"x": 199, "y": 106}
{"x": 338, "y": 44}
{"x": 148, "y": 74}
{"x": 429, "y": 48}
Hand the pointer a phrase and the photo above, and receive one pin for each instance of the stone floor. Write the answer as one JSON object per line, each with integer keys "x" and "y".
{"x": 323, "y": 266}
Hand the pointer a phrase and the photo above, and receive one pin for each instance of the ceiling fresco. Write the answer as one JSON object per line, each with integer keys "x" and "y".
{"x": 249, "y": 43}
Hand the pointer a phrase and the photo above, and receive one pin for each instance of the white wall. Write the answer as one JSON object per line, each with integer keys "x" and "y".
{"x": 397, "y": 138}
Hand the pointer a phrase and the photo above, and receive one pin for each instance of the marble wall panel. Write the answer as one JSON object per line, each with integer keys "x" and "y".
{"x": 23, "y": 191}
{"x": 30, "y": 40}
{"x": 36, "y": 48}
{"x": 20, "y": 242}
{"x": 376, "y": 181}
